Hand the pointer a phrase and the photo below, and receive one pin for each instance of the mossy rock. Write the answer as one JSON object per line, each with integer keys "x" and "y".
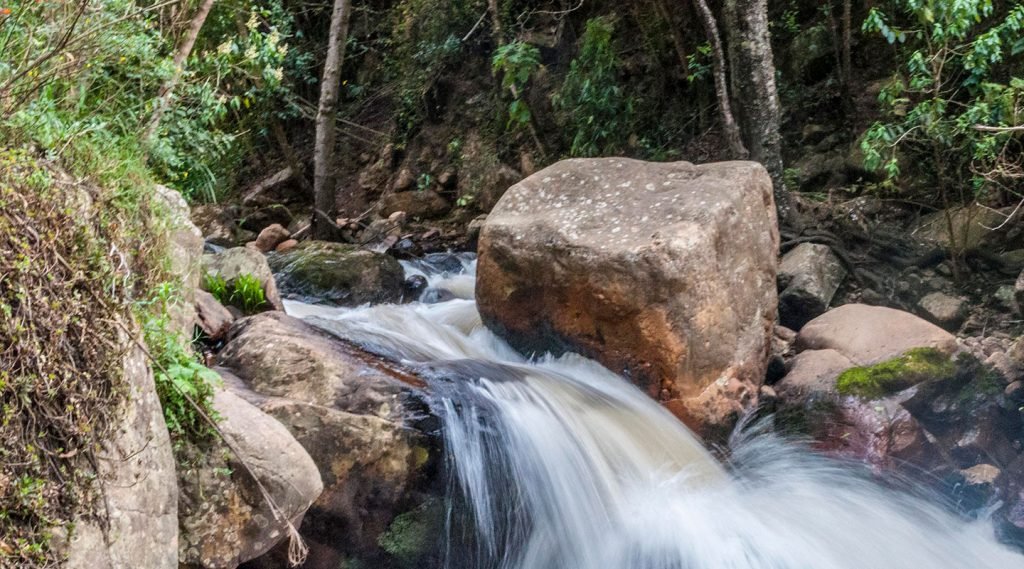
{"x": 335, "y": 273}
{"x": 913, "y": 367}
{"x": 413, "y": 536}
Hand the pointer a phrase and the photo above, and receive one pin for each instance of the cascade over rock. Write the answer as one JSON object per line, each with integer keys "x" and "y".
{"x": 662, "y": 271}
{"x": 351, "y": 414}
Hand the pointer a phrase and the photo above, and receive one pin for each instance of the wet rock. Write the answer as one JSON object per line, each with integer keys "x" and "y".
{"x": 335, "y": 273}
{"x": 809, "y": 276}
{"x": 945, "y": 310}
{"x": 414, "y": 287}
{"x": 872, "y": 334}
{"x": 356, "y": 417}
{"x": 405, "y": 249}
{"x": 417, "y": 204}
{"x": 224, "y": 517}
{"x": 664, "y": 271}
{"x": 270, "y": 237}
{"x": 211, "y": 316}
{"x": 235, "y": 262}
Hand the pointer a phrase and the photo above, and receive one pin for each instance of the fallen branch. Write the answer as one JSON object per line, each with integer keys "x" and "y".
{"x": 986, "y": 128}
{"x": 275, "y": 179}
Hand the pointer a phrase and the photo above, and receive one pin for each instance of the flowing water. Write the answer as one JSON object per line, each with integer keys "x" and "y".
{"x": 561, "y": 464}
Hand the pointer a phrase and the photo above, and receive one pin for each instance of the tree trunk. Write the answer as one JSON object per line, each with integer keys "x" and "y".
{"x": 729, "y": 126}
{"x": 180, "y": 58}
{"x": 753, "y": 87}
{"x": 323, "y": 153}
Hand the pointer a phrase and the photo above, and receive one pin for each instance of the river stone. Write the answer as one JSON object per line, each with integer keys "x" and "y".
{"x": 211, "y": 316}
{"x": 662, "y": 271}
{"x": 335, "y": 273}
{"x": 418, "y": 204}
{"x": 237, "y": 261}
{"x": 809, "y": 276}
{"x": 270, "y": 237}
{"x": 813, "y": 372}
{"x": 351, "y": 412}
{"x": 945, "y": 310}
{"x": 135, "y": 522}
{"x": 224, "y": 516}
{"x": 869, "y": 335}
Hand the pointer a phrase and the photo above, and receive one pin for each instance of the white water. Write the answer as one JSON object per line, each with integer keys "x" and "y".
{"x": 563, "y": 465}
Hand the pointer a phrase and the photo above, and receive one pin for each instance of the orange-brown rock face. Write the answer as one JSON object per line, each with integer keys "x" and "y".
{"x": 664, "y": 272}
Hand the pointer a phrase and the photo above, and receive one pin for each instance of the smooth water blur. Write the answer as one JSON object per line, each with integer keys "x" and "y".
{"x": 561, "y": 464}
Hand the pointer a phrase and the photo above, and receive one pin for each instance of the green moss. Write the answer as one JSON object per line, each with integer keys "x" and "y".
{"x": 914, "y": 366}
{"x": 411, "y": 536}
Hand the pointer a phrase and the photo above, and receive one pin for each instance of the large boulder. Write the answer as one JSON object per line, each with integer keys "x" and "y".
{"x": 237, "y": 261}
{"x": 135, "y": 522}
{"x": 335, "y": 273}
{"x": 809, "y": 276}
{"x": 664, "y": 272}
{"x": 183, "y": 251}
{"x": 356, "y": 417}
{"x": 871, "y": 334}
{"x": 965, "y": 228}
{"x": 225, "y": 516}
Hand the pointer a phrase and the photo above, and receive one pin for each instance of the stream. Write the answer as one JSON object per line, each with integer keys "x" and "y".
{"x": 559, "y": 463}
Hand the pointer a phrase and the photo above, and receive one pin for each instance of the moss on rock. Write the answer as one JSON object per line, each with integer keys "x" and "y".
{"x": 335, "y": 273}
{"x": 914, "y": 366}
{"x": 412, "y": 535}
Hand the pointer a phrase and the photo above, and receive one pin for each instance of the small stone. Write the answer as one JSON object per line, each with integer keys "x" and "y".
{"x": 785, "y": 334}
{"x": 404, "y": 181}
{"x": 447, "y": 179}
{"x": 433, "y": 233}
{"x": 943, "y": 309}
{"x": 1015, "y": 391}
{"x": 271, "y": 237}
{"x": 399, "y": 218}
{"x": 981, "y": 474}
{"x": 286, "y": 246}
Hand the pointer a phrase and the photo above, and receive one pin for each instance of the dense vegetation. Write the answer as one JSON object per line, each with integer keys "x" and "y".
{"x": 212, "y": 98}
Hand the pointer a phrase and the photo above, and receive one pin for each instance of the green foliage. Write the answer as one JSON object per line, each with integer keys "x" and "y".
{"x": 411, "y": 536}
{"x": 218, "y": 287}
{"x": 598, "y": 111}
{"x": 244, "y": 292}
{"x": 955, "y": 62}
{"x": 515, "y": 63}
{"x": 248, "y": 293}
{"x": 93, "y": 100}
{"x": 890, "y": 376}
{"x": 698, "y": 63}
{"x": 184, "y": 385}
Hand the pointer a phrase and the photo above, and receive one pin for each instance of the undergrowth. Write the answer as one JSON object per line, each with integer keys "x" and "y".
{"x": 61, "y": 365}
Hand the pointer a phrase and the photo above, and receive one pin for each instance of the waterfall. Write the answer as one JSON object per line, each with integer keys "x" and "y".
{"x": 561, "y": 464}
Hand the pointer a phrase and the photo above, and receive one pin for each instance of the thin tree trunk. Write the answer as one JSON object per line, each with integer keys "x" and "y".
{"x": 757, "y": 100}
{"x": 323, "y": 153}
{"x": 180, "y": 58}
{"x": 847, "y": 24}
{"x": 496, "y": 29}
{"x": 729, "y": 126}
{"x": 678, "y": 41}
